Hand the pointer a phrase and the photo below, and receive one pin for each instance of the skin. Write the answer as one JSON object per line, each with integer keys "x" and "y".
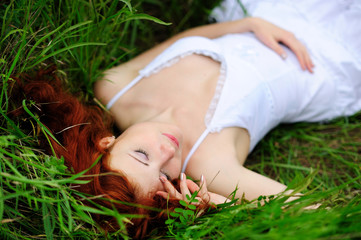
{"x": 145, "y": 153}
{"x": 154, "y": 107}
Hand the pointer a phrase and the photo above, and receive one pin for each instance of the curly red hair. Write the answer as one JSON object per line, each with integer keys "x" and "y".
{"x": 79, "y": 128}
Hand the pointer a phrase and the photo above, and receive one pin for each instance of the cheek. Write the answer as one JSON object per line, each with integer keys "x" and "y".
{"x": 157, "y": 187}
{"x": 175, "y": 170}
{"x": 147, "y": 189}
{"x": 178, "y": 165}
{"x": 151, "y": 191}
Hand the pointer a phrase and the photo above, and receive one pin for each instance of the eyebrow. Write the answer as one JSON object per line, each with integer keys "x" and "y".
{"x": 146, "y": 164}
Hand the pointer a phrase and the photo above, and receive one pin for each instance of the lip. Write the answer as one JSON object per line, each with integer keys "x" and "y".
{"x": 172, "y": 138}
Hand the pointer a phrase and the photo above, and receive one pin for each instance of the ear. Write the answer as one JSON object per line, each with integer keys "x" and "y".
{"x": 107, "y": 142}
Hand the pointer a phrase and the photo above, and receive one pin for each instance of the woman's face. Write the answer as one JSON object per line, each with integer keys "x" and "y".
{"x": 145, "y": 152}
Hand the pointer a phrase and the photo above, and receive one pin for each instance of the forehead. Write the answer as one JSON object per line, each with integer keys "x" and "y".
{"x": 139, "y": 133}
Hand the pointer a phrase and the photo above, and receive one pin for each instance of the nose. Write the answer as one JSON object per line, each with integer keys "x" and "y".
{"x": 167, "y": 152}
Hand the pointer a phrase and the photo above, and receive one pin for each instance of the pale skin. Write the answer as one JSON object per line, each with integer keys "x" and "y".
{"x": 153, "y": 113}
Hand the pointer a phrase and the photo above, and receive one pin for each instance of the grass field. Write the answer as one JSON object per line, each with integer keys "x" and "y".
{"x": 83, "y": 38}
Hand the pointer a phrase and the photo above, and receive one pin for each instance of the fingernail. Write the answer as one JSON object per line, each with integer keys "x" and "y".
{"x": 284, "y": 55}
{"x": 202, "y": 178}
{"x": 162, "y": 179}
{"x": 182, "y": 176}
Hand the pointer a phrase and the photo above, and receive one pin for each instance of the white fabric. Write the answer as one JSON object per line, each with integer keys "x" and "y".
{"x": 257, "y": 90}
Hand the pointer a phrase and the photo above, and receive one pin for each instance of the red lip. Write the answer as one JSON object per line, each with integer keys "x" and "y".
{"x": 172, "y": 138}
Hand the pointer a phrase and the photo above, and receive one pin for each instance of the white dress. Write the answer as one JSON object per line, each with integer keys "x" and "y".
{"x": 257, "y": 90}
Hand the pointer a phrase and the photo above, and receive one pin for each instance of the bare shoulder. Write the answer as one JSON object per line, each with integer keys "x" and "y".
{"x": 220, "y": 159}
{"x": 227, "y": 148}
{"x": 118, "y": 77}
{"x": 218, "y": 163}
{"x": 114, "y": 80}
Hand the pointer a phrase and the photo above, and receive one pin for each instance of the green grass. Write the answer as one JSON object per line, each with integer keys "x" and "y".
{"x": 83, "y": 38}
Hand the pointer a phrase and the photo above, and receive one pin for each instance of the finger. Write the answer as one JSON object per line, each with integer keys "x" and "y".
{"x": 309, "y": 63}
{"x": 201, "y": 196}
{"x": 203, "y": 192}
{"x": 289, "y": 40}
{"x": 300, "y": 54}
{"x": 307, "y": 60}
{"x": 183, "y": 187}
{"x": 301, "y": 60}
{"x": 192, "y": 186}
{"x": 300, "y": 57}
{"x": 170, "y": 189}
{"x": 275, "y": 46}
{"x": 198, "y": 202}
{"x": 299, "y": 50}
{"x": 162, "y": 194}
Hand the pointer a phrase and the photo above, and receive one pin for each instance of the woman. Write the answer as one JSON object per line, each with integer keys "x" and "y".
{"x": 197, "y": 104}
{"x": 241, "y": 89}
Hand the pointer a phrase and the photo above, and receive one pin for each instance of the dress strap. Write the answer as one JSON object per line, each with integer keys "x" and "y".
{"x": 124, "y": 90}
{"x": 195, "y": 147}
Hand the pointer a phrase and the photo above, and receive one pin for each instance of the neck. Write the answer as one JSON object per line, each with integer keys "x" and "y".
{"x": 143, "y": 111}
{"x": 170, "y": 115}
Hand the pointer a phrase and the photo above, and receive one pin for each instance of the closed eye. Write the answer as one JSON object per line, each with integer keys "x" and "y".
{"x": 141, "y": 156}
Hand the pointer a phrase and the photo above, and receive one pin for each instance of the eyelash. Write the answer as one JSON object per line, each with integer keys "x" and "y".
{"x": 142, "y": 152}
{"x": 146, "y": 154}
{"x": 166, "y": 175}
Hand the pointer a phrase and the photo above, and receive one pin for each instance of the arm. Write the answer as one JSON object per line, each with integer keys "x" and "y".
{"x": 248, "y": 182}
{"x": 210, "y": 31}
{"x": 271, "y": 35}
{"x": 117, "y": 77}
{"x": 265, "y": 31}
{"x": 223, "y": 177}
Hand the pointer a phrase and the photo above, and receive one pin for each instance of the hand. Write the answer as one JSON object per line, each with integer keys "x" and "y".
{"x": 187, "y": 188}
{"x": 271, "y": 36}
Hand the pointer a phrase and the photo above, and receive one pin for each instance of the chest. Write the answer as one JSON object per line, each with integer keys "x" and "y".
{"x": 190, "y": 81}
{"x": 185, "y": 87}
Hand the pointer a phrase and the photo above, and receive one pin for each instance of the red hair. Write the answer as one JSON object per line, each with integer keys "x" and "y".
{"x": 79, "y": 128}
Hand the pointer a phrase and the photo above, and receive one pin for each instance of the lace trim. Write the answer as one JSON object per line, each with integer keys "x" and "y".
{"x": 217, "y": 94}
